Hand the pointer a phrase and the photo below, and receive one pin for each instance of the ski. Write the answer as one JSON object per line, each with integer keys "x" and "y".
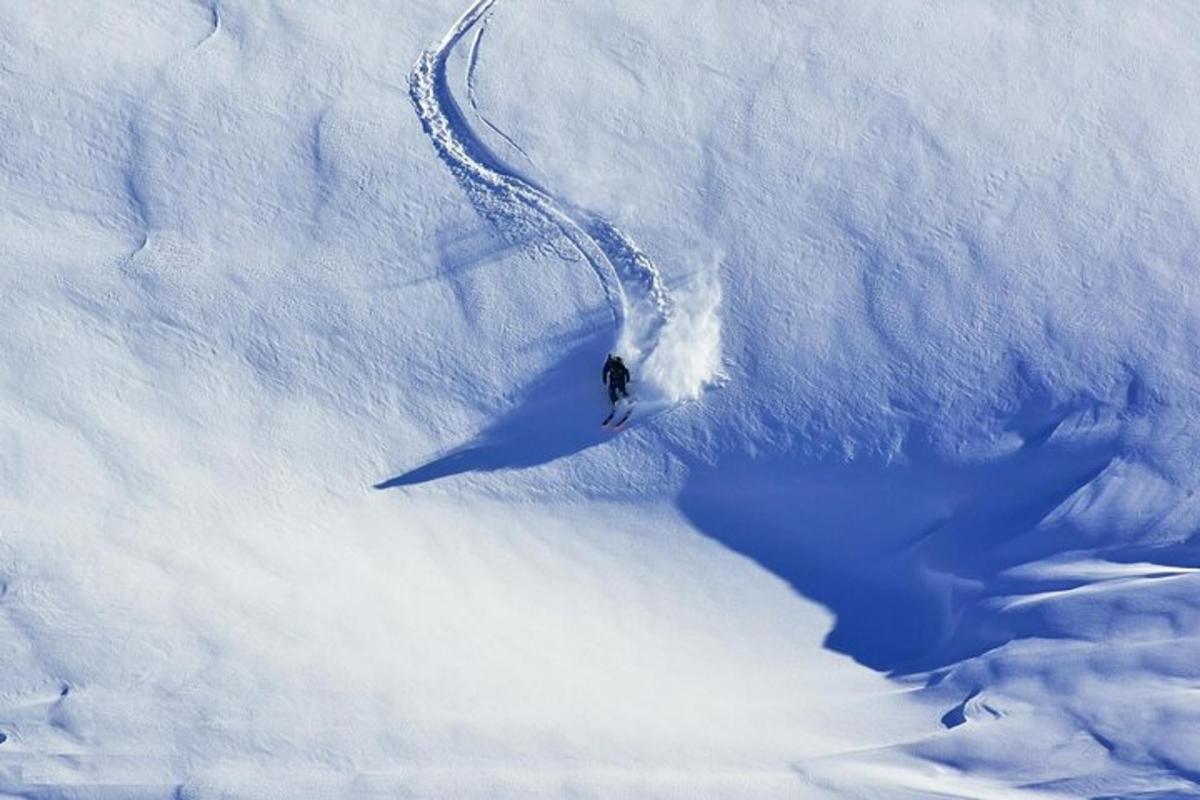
{"x": 623, "y": 403}
{"x": 620, "y": 424}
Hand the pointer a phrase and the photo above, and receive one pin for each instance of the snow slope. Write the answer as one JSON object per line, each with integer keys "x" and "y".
{"x": 908, "y": 511}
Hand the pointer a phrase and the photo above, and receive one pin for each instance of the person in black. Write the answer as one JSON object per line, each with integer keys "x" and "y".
{"x": 615, "y": 377}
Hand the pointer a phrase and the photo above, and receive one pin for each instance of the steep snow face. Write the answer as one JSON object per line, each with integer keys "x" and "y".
{"x": 959, "y": 256}
{"x": 240, "y": 288}
{"x": 992, "y": 204}
{"x": 912, "y": 302}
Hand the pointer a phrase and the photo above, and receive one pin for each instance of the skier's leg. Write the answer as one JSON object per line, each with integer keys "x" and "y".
{"x": 612, "y": 393}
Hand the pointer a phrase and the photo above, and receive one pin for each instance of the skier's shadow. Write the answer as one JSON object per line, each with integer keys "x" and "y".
{"x": 556, "y": 417}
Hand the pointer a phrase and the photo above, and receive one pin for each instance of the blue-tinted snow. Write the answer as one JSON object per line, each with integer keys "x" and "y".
{"x": 912, "y": 297}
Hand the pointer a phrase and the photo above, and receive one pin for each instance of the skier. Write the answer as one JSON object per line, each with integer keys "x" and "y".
{"x": 615, "y": 376}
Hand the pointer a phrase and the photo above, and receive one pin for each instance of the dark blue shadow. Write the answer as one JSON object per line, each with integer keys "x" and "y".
{"x": 904, "y": 554}
{"x": 558, "y": 416}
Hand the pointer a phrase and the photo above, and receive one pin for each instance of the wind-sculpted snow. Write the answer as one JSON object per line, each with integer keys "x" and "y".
{"x": 937, "y": 536}
{"x": 644, "y": 314}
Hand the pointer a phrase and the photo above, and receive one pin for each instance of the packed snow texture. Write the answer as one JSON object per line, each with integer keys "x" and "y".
{"x": 304, "y": 308}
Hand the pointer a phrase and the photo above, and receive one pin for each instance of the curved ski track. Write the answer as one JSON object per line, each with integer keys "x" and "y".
{"x": 523, "y": 210}
{"x": 472, "y": 63}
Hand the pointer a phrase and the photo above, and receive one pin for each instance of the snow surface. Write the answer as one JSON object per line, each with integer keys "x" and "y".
{"x": 304, "y": 307}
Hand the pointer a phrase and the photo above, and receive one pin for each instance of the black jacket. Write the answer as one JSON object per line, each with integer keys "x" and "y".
{"x": 615, "y": 372}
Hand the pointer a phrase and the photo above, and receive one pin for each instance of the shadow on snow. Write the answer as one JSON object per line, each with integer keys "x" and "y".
{"x": 906, "y": 555}
{"x": 557, "y": 416}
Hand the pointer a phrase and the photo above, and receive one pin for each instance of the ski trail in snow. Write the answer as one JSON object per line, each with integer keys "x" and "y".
{"x": 521, "y": 208}
{"x": 472, "y": 63}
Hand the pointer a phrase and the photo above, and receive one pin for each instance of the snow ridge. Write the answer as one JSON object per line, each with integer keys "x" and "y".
{"x": 525, "y": 211}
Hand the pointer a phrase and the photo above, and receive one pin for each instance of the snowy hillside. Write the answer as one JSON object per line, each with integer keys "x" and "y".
{"x": 304, "y": 308}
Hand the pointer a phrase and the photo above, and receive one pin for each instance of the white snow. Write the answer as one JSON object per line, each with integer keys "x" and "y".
{"x": 302, "y": 492}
